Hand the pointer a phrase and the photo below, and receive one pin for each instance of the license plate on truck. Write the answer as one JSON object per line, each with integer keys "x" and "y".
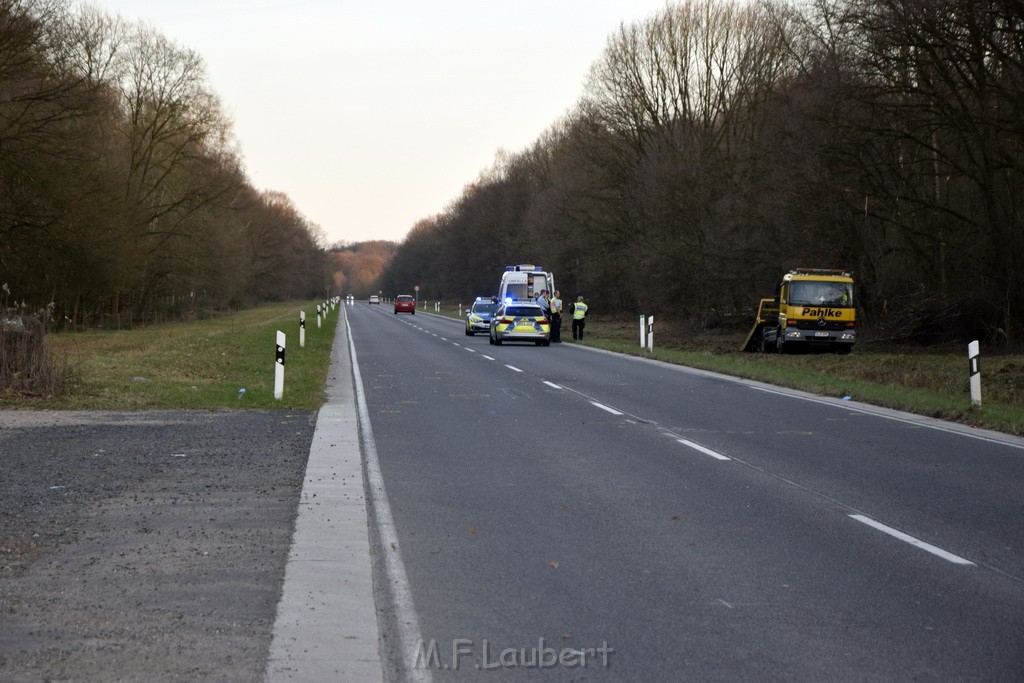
{"x": 821, "y": 334}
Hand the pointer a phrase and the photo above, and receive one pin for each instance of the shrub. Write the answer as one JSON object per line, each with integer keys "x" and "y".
{"x": 26, "y": 367}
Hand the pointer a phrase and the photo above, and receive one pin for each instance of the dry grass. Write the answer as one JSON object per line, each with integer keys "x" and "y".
{"x": 201, "y": 365}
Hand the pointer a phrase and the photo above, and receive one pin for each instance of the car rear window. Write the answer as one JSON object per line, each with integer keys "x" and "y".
{"x": 405, "y": 298}
{"x": 523, "y": 310}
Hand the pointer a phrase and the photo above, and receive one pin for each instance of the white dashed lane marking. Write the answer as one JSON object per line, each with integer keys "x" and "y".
{"x": 906, "y": 538}
{"x": 706, "y": 451}
{"x": 606, "y": 408}
{"x": 895, "y": 533}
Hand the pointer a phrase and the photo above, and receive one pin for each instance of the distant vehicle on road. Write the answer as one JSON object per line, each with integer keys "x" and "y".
{"x": 520, "y": 322}
{"x": 478, "y": 318}
{"x": 374, "y": 299}
{"x": 405, "y": 303}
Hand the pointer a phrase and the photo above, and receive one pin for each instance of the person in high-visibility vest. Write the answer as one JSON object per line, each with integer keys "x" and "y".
{"x": 579, "y": 318}
{"x": 556, "y": 317}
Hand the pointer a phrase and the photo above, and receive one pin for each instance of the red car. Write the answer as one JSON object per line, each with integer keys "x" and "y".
{"x": 405, "y": 304}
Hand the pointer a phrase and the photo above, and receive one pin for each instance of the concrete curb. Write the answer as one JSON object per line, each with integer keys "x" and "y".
{"x": 326, "y": 626}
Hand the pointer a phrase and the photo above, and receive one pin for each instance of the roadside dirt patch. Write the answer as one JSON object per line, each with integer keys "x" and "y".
{"x": 145, "y": 546}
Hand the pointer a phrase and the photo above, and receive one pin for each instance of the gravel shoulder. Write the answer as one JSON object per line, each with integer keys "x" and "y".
{"x": 142, "y": 546}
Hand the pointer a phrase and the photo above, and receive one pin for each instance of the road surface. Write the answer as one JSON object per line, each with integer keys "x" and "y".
{"x": 628, "y": 520}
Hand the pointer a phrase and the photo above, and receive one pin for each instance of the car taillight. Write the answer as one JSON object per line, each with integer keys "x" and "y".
{"x": 543, "y": 321}
{"x": 791, "y": 323}
{"x": 850, "y": 324}
{"x": 507, "y": 321}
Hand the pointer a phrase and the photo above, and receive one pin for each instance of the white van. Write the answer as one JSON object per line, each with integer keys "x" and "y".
{"x": 524, "y": 282}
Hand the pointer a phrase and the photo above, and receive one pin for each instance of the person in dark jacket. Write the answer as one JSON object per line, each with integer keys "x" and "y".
{"x": 556, "y": 317}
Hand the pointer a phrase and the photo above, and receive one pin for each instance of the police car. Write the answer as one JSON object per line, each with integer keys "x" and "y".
{"x": 520, "y": 321}
{"x": 478, "y": 317}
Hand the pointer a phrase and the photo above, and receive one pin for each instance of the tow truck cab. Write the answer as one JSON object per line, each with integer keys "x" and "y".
{"x": 812, "y": 308}
{"x": 816, "y": 307}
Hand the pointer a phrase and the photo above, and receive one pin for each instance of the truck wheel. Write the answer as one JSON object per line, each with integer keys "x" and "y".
{"x": 777, "y": 346}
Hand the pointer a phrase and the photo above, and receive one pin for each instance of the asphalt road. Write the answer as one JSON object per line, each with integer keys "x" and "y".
{"x": 642, "y": 522}
{"x": 560, "y": 514}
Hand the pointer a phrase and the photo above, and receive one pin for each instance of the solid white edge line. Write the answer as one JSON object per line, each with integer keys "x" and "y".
{"x": 706, "y": 451}
{"x": 891, "y": 414}
{"x": 552, "y": 385}
{"x": 866, "y": 408}
{"x": 906, "y": 538}
{"x": 406, "y": 622}
{"x": 512, "y": 367}
{"x": 605, "y": 408}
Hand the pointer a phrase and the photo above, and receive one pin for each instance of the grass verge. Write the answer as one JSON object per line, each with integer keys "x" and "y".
{"x": 198, "y": 365}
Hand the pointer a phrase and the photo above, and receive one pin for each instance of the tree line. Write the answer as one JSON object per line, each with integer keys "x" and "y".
{"x": 122, "y": 192}
{"x": 720, "y": 143}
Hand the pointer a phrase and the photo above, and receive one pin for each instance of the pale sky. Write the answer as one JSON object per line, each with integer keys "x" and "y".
{"x": 374, "y": 114}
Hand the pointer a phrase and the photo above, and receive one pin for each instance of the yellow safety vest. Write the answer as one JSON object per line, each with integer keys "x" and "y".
{"x": 579, "y": 310}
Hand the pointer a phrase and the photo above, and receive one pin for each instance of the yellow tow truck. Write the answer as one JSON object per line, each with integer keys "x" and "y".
{"x": 813, "y": 308}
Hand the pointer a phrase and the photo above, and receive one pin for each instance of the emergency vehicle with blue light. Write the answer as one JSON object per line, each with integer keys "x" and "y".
{"x": 524, "y": 283}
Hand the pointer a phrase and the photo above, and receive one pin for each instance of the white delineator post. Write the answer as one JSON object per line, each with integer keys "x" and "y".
{"x": 643, "y": 330}
{"x": 302, "y": 329}
{"x": 650, "y": 333}
{"x": 318, "y": 315}
{"x": 974, "y": 360}
{"x": 279, "y": 367}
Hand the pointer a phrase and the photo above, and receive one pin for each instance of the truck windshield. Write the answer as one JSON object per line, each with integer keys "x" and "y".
{"x": 812, "y": 293}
